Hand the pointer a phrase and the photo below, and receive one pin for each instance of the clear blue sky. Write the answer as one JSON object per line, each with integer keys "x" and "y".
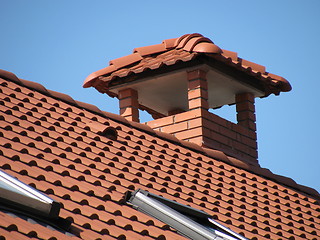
{"x": 58, "y": 43}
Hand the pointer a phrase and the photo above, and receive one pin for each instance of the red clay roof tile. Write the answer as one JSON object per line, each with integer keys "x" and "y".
{"x": 169, "y": 52}
{"x": 148, "y": 50}
{"x": 89, "y": 173}
{"x": 9, "y": 76}
{"x": 169, "y": 43}
{"x": 125, "y": 61}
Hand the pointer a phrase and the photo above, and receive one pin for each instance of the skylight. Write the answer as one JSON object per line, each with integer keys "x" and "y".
{"x": 188, "y": 221}
{"x": 19, "y": 195}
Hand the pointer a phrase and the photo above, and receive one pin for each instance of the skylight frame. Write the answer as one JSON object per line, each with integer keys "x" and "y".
{"x": 180, "y": 217}
{"x": 18, "y": 195}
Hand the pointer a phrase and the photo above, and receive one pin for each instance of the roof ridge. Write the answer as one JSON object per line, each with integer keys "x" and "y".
{"x": 216, "y": 154}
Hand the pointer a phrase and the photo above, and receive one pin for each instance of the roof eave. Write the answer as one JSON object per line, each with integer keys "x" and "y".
{"x": 267, "y": 83}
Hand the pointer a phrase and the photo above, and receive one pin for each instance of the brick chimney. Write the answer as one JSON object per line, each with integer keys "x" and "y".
{"x": 200, "y": 126}
{"x": 179, "y": 80}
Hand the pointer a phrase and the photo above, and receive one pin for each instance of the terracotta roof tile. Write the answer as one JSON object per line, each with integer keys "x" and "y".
{"x": 185, "y": 49}
{"x": 148, "y": 50}
{"x": 22, "y": 229}
{"x": 125, "y": 61}
{"x": 63, "y": 155}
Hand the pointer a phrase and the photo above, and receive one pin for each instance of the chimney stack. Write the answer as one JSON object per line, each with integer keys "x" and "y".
{"x": 179, "y": 80}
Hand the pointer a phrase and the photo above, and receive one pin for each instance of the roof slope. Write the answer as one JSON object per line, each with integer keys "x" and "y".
{"x": 55, "y": 144}
{"x": 184, "y": 49}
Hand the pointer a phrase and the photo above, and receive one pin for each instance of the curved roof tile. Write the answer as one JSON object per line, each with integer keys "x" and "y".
{"x": 182, "y": 41}
{"x": 144, "y": 51}
{"x": 204, "y": 47}
{"x": 169, "y": 43}
{"x": 169, "y": 52}
{"x": 9, "y": 75}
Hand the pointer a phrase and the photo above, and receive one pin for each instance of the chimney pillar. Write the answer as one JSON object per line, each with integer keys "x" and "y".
{"x": 197, "y": 90}
{"x": 246, "y": 110}
{"x": 129, "y": 105}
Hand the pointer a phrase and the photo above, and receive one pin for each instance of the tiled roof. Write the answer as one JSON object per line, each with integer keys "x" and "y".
{"x": 184, "y": 49}
{"x": 56, "y": 144}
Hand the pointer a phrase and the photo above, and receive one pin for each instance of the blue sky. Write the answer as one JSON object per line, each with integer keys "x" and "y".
{"x": 59, "y": 43}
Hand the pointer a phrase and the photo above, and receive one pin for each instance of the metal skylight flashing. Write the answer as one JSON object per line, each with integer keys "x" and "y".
{"x": 19, "y": 195}
{"x": 188, "y": 221}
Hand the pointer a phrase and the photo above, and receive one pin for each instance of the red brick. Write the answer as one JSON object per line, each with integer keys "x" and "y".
{"x": 253, "y": 153}
{"x": 242, "y": 97}
{"x": 196, "y": 74}
{"x": 198, "y": 103}
{"x": 252, "y": 126}
{"x": 196, "y": 93}
{"x": 245, "y": 106}
{"x": 211, "y": 125}
{"x": 206, "y": 132}
{"x": 246, "y": 115}
{"x": 129, "y": 105}
{"x": 250, "y": 142}
{"x": 192, "y": 114}
{"x": 220, "y": 138}
{"x": 197, "y": 83}
{"x": 241, "y": 147}
{"x": 238, "y": 138}
{"x": 177, "y": 127}
{"x": 126, "y": 102}
{"x": 228, "y": 133}
{"x": 197, "y": 122}
{"x": 125, "y": 111}
{"x": 211, "y": 143}
{"x": 248, "y": 124}
{"x": 130, "y": 113}
{"x": 219, "y": 120}
{"x": 161, "y": 122}
{"x": 252, "y": 134}
{"x": 128, "y": 92}
{"x": 191, "y": 133}
{"x": 240, "y": 129}
{"x": 197, "y": 140}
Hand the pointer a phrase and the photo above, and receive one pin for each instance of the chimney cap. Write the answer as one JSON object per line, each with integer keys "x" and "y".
{"x": 183, "y": 49}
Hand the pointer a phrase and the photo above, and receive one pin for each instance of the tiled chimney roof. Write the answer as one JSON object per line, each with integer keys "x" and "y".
{"x": 183, "y": 49}
{"x": 62, "y": 147}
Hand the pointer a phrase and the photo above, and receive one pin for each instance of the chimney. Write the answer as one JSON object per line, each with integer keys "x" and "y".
{"x": 179, "y": 80}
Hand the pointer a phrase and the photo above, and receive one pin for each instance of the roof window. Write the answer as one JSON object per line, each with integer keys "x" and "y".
{"x": 188, "y": 221}
{"x": 18, "y": 197}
